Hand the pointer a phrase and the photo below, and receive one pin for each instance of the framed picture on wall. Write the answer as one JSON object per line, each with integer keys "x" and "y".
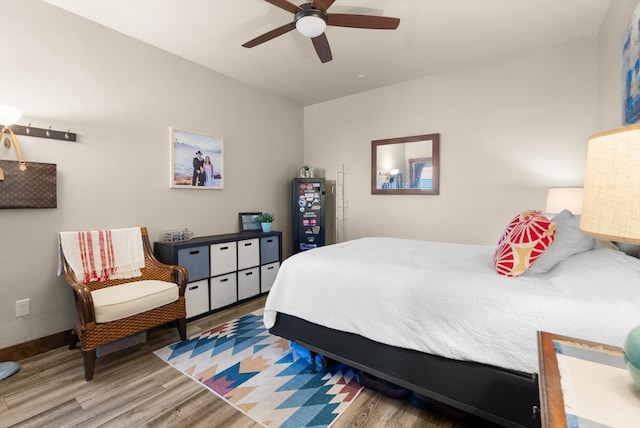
{"x": 630, "y": 70}
{"x": 196, "y": 160}
{"x": 250, "y": 222}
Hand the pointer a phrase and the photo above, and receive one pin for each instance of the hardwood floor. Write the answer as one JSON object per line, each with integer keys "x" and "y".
{"x": 134, "y": 388}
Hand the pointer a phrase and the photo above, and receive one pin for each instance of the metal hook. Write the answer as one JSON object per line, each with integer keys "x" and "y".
{"x": 49, "y": 132}
{"x": 28, "y": 130}
{"x": 66, "y": 134}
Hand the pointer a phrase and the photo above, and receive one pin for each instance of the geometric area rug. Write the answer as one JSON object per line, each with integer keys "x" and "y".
{"x": 260, "y": 375}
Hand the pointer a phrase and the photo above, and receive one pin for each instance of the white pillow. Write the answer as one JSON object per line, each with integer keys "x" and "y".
{"x": 569, "y": 241}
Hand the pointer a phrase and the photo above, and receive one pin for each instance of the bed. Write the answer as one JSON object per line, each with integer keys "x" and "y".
{"x": 437, "y": 319}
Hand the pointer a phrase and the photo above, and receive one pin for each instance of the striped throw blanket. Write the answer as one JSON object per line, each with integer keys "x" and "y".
{"x": 100, "y": 255}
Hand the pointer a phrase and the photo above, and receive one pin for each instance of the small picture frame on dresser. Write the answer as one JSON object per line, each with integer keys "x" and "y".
{"x": 250, "y": 222}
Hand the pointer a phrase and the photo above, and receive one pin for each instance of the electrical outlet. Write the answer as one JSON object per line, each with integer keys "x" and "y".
{"x": 22, "y": 308}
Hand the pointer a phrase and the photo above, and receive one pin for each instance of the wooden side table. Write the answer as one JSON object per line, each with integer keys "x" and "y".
{"x": 551, "y": 398}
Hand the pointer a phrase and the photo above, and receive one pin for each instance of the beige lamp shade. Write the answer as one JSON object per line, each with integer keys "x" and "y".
{"x": 611, "y": 199}
{"x": 564, "y": 198}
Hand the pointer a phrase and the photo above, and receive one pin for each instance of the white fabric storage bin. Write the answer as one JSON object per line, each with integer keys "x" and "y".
{"x": 248, "y": 283}
{"x": 223, "y": 290}
{"x": 197, "y": 297}
{"x": 248, "y": 253}
{"x": 268, "y": 274}
{"x": 223, "y": 258}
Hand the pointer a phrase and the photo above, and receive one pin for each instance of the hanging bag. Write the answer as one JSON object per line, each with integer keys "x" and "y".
{"x": 26, "y": 185}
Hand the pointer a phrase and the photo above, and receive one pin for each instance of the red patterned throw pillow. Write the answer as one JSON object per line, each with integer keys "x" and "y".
{"x": 527, "y": 236}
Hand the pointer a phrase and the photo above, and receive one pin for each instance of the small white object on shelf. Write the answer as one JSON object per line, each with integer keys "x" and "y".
{"x": 177, "y": 235}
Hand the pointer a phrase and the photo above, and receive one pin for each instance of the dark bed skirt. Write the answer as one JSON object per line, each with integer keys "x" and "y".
{"x": 506, "y": 397}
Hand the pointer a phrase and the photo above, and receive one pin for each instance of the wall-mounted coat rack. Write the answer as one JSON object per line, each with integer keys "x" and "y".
{"x": 43, "y": 133}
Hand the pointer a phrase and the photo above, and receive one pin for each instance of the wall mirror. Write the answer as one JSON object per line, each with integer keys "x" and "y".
{"x": 406, "y": 166}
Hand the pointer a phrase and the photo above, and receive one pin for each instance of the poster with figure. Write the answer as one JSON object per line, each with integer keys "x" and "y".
{"x": 196, "y": 160}
{"x": 631, "y": 70}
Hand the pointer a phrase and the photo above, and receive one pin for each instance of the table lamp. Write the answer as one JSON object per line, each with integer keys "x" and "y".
{"x": 564, "y": 198}
{"x": 611, "y": 204}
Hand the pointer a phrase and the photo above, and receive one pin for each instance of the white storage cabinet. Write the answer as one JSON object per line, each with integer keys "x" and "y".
{"x": 224, "y": 269}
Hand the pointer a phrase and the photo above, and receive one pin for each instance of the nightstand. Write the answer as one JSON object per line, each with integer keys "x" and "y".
{"x": 597, "y": 385}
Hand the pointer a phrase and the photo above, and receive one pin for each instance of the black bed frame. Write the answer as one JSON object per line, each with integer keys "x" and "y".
{"x": 505, "y": 397}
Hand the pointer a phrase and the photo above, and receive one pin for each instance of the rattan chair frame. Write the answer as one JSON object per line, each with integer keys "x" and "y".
{"x": 91, "y": 334}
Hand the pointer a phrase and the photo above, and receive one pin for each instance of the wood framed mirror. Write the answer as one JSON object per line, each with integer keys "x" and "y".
{"x": 406, "y": 166}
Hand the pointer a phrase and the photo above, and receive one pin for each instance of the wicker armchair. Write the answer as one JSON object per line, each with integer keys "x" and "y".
{"x": 92, "y": 334}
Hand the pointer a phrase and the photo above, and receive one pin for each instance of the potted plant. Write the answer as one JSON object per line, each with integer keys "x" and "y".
{"x": 306, "y": 172}
{"x": 266, "y": 221}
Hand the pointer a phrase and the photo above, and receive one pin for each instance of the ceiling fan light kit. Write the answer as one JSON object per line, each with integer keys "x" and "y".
{"x": 311, "y": 23}
{"x": 311, "y": 20}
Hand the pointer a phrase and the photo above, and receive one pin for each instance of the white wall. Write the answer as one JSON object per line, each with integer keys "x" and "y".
{"x": 121, "y": 96}
{"x": 509, "y": 130}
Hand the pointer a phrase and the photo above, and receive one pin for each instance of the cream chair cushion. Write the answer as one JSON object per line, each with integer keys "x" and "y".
{"x": 124, "y": 300}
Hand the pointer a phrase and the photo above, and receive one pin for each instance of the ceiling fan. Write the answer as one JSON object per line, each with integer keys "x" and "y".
{"x": 311, "y": 19}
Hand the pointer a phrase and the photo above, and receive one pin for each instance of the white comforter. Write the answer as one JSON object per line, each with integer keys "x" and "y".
{"x": 447, "y": 299}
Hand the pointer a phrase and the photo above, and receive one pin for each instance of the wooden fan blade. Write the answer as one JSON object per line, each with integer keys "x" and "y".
{"x": 322, "y": 48}
{"x": 284, "y": 4}
{"x": 270, "y": 35}
{"x": 363, "y": 21}
{"x": 322, "y": 5}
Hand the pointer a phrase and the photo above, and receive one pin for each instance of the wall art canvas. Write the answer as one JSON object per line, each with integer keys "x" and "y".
{"x": 196, "y": 160}
{"x": 631, "y": 69}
